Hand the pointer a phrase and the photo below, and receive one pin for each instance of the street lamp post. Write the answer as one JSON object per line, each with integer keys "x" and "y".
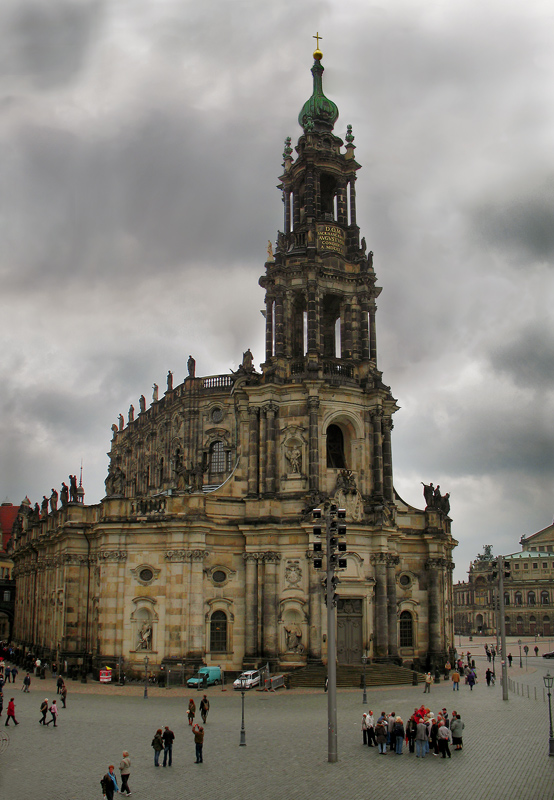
{"x": 364, "y": 698}
{"x": 548, "y": 682}
{"x": 146, "y": 677}
{"x": 242, "y": 728}
{"x": 520, "y": 661}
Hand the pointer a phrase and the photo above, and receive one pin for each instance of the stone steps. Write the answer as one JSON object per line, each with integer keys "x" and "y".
{"x": 314, "y": 675}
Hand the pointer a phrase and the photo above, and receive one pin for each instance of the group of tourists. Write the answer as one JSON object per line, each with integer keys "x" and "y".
{"x": 108, "y": 781}
{"x": 423, "y": 732}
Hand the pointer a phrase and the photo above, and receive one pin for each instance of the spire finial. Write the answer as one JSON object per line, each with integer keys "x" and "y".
{"x": 318, "y": 55}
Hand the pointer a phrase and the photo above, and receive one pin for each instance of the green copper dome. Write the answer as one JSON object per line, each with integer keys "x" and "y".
{"x": 318, "y": 113}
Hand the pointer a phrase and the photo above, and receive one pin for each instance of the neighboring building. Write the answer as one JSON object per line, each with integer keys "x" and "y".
{"x": 528, "y": 592}
{"x": 201, "y": 549}
{"x": 8, "y": 515}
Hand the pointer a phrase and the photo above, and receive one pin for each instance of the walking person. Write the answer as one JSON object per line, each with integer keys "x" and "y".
{"x": 191, "y": 711}
{"x": 26, "y": 682}
{"x": 510, "y": 658}
{"x": 168, "y": 736}
{"x": 54, "y": 713}
{"x": 11, "y": 712}
{"x": 63, "y": 695}
{"x": 43, "y": 711}
{"x": 125, "y": 770}
{"x": 471, "y": 679}
{"x": 204, "y": 708}
{"x": 158, "y": 745}
{"x": 14, "y": 673}
{"x": 428, "y": 682}
{"x": 59, "y": 684}
{"x": 488, "y": 676}
{"x": 455, "y": 681}
{"x": 198, "y": 732}
{"x": 109, "y": 783}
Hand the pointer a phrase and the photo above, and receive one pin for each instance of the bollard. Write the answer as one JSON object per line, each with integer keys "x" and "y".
{"x": 414, "y": 679}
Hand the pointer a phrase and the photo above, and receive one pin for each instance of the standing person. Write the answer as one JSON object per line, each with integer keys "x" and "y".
{"x": 444, "y": 736}
{"x": 198, "y": 732}
{"x": 411, "y": 729}
{"x": 1, "y": 702}
{"x": 391, "y": 738}
{"x": 381, "y": 735}
{"x": 455, "y": 681}
{"x": 204, "y": 708}
{"x": 191, "y": 711}
{"x": 54, "y": 713}
{"x": 421, "y": 738}
{"x": 399, "y": 733}
{"x": 158, "y": 745}
{"x": 59, "y": 684}
{"x": 456, "y": 728}
{"x": 372, "y": 742}
{"x": 364, "y": 728}
{"x": 471, "y": 679}
{"x": 488, "y": 676}
{"x": 63, "y": 694}
{"x": 26, "y": 682}
{"x": 125, "y": 770}
{"x": 447, "y": 668}
{"x": 109, "y": 783}
{"x": 11, "y": 712}
{"x": 14, "y": 673}
{"x": 434, "y": 737}
{"x": 510, "y": 657}
{"x": 168, "y": 736}
{"x": 43, "y": 711}
{"x": 536, "y": 649}
{"x": 428, "y": 682}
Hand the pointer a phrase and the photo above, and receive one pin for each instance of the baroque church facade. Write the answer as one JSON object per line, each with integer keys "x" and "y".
{"x": 201, "y": 550}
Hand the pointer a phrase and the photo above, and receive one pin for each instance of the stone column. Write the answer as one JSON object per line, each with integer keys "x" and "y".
{"x": 377, "y": 466}
{"x": 270, "y": 605}
{"x": 433, "y": 567}
{"x": 197, "y": 625}
{"x": 286, "y": 197}
{"x": 355, "y": 324}
{"x": 346, "y": 335}
{"x": 251, "y": 605}
{"x": 313, "y": 409}
{"x": 379, "y": 560}
{"x": 392, "y": 617}
{"x": 364, "y": 327}
{"x": 271, "y": 469}
{"x": 253, "y": 443}
{"x": 296, "y": 207}
{"x": 388, "y": 489}
{"x": 279, "y": 326}
{"x": 372, "y": 334}
{"x": 268, "y": 328}
{"x": 309, "y": 197}
{"x": 342, "y": 215}
{"x": 353, "y": 200}
{"x": 262, "y": 460}
{"x": 313, "y": 321}
{"x": 315, "y": 599}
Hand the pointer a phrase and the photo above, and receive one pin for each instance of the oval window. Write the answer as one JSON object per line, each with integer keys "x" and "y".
{"x": 405, "y": 580}
{"x": 146, "y": 575}
{"x": 219, "y": 576}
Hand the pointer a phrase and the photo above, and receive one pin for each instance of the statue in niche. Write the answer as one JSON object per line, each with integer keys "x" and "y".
{"x": 169, "y": 381}
{"x": 155, "y": 393}
{"x": 64, "y": 494}
{"x": 191, "y": 367}
{"x": 347, "y": 495}
{"x": 145, "y": 637}
{"x": 142, "y": 403}
{"x": 54, "y": 501}
{"x": 73, "y": 491}
{"x": 44, "y": 506}
{"x": 293, "y": 638}
{"x": 294, "y": 457}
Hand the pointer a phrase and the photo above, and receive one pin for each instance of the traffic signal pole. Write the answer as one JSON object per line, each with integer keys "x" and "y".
{"x": 332, "y": 755}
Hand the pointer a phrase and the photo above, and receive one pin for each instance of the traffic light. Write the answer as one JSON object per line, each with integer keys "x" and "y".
{"x": 507, "y": 570}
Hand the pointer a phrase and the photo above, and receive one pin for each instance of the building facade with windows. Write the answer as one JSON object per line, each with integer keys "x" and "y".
{"x": 8, "y": 515}
{"x": 201, "y": 550}
{"x": 528, "y": 591}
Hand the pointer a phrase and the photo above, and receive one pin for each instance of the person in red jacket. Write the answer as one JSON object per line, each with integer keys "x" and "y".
{"x": 11, "y": 712}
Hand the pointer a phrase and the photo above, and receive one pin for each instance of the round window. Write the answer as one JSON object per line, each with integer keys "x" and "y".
{"x": 219, "y": 576}
{"x": 146, "y": 574}
{"x": 217, "y": 415}
{"x": 405, "y": 580}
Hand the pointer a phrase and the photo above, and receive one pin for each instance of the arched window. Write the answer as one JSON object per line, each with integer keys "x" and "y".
{"x": 508, "y": 623}
{"x": 506, "y": 599}
{"x": 406, "y": 629}
{"x": 218, "y": 632}
{"x": 335, "y": 448}
{"x": 217, "y": 458}
{"x": 544, "y": 598}
{"x": 531, "y": 599}
{"x": 518, "y": 599}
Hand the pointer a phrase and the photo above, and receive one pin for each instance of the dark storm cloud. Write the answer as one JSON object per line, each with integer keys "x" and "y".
{"x": 528, "y": 357}
{"x": 47, "y": 44}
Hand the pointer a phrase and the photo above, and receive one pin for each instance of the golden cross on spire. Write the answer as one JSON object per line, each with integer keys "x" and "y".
{"x": 317, "y": 37}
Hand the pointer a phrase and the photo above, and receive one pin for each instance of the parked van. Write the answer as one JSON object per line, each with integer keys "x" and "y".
{"x": 206, "y": 676}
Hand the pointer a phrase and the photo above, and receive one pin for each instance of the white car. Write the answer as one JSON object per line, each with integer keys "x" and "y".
{"x": 249, "y": 679}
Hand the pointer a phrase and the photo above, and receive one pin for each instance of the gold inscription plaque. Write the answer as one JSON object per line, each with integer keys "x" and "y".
{"x": 330, "y": 237}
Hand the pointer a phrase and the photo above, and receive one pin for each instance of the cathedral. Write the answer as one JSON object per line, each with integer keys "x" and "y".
{"x": 201, "y": 551}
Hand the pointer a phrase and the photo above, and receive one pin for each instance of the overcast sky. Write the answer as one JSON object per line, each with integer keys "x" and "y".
{"x": 141, "y": 144}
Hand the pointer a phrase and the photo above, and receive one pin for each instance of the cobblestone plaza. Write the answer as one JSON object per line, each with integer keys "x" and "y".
{"x": 505, "y": 743}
